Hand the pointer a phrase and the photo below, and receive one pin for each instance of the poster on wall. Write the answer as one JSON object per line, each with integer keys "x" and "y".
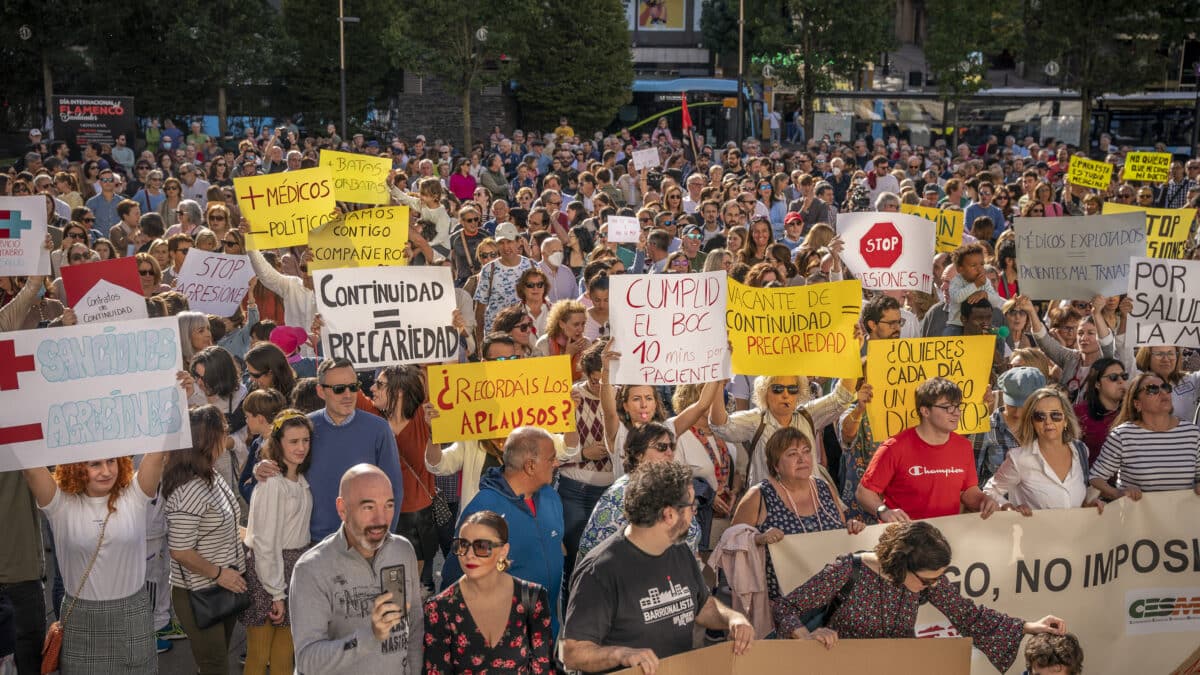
{"x": 93, "y": 119}
{"x": 666, "y": 15}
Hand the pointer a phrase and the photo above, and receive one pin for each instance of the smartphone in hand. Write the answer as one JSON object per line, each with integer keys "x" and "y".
{"x": 391, "y": 580}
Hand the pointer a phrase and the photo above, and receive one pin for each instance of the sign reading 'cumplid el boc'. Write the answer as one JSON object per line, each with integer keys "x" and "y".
{"x": 90, "y": 391}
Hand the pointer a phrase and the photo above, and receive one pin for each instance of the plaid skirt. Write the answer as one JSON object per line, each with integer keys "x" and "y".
{"x": 105, "y": 637}
{"x": 260, "y": 600}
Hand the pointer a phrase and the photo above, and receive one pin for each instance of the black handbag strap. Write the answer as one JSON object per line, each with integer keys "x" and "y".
{"x": 844, "y": 592}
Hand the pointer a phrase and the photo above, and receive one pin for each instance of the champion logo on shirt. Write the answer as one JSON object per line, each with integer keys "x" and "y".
{"x": 917, "y": 471}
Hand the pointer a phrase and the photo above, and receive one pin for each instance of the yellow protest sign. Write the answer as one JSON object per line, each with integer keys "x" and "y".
{"x": 1166, "y": 229}
{"x": 896, "y": 367}
{"x": 1089, "y": 173}
{"x": 949, "y": 224}
{"x": 490, "y": 399}
{"x": 364, "y": 238}
{"x": 284, "y": 207}
{"x": 1154, "y": 167}
{"x": 359, "y": 179}
{"x": 798, "y": 329}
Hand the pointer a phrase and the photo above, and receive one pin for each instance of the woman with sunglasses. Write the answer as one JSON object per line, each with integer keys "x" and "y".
{"x": 218, "y": 173}
{"x": 150, "y": 275}
{"x": 906, "y": 569}
{"x": 217, "y": 219}
{"x": 1166, "y": 361}
{"x": 1094, "y": 340}
{"x": 75, "y": 253}
{"x": 650, "y": 443}
{"x": 1102, "y": 392}
{"x": 531, "y": 291}
{"x": 516, "y": 323}
{"x": 169, "y": 206}
{"x": 1004, "y": 201}
{"x": 628, "y": 408}
{"x": 1049, "y": 469}
{"x": 779, "y": 401}
{"x": 487, "y": 620}
{"x": 1149, "y": 449}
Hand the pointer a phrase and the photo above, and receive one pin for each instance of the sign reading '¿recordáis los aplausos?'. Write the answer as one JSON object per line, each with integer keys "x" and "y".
{"x": 283, "y": 208}
{"x": 90, "y": 391}
{"x": 387, "y": 316}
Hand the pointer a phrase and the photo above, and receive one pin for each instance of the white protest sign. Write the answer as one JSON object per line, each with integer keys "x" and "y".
{"x": 888, "y": 251}
{"x": 623, "y": 229}
{"x": 669, "y": 328}
{"x": 22, "y": 234}
{"x": 1166, "y": 302}
{"x": 109, "y": 290}
{"x": 90, "y": 391}
{"x": 1078, "y": 257}
{"x": 214, "y": 283}
{"x": 645, "y": 159}
{"x": 387, "y": 316}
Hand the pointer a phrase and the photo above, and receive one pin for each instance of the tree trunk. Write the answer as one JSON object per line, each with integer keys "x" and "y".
{"x": 466, "y": 106}
{"x": 1085, "y": 120}
{"x": 47, "y": 89}
{"x": 222, "y": 111}
{"x": 809, "y": 91}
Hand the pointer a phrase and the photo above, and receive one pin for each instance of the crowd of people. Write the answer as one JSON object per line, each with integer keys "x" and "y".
{"x": 313, "y": 502}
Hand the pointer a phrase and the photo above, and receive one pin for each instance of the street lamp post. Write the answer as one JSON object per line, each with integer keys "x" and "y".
{"x": 342, "y": 21}
{"x": 741, "y": 69}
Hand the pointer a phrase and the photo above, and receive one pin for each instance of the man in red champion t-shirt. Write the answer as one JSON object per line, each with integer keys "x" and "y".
{"x": 928, "y": 470}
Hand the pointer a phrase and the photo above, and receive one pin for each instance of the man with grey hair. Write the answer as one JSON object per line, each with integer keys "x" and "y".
{"x": 562, "y": 280}
{"x": 294, "y": 158}
{"x": 190, "y": 219}
{"x": 344, "y": 617}
{"x": 194, "y": 187}
{"x": 521, "y": 490}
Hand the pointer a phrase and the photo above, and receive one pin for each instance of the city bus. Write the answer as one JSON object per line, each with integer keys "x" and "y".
{"x": 710, "y": 103}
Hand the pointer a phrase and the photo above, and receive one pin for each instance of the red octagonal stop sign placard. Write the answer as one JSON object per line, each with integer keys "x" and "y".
{"x": 882, "y": 245}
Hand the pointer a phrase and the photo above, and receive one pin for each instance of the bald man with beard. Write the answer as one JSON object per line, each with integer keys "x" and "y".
{"x": 342, "y": 620}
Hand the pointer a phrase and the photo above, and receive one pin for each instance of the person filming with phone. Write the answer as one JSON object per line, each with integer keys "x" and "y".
{"x": 356, "y": 600}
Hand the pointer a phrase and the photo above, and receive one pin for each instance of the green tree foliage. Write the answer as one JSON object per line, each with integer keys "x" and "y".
{"x": 808, "y": 42}
{"x": 1106, "y": 46}
{"x": 583, "y": 74}
{"x": 442, "y": 39}
{"x": 961, "y": 39}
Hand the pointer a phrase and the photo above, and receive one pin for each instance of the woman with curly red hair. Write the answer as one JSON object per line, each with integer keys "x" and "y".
{"x": 98, "y": 517}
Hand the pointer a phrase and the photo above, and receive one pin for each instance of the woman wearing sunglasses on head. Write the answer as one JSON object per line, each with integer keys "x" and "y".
{"x": 1049, "y": 469}
{"x": 487, "y": 620}
{"x": 1149, "y": 449}
{"x": 877, "y": 595}
{"x": 1102, "y": 392}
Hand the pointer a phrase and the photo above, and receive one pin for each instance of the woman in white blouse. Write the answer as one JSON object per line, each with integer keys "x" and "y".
{"x": 1049, "y": 470}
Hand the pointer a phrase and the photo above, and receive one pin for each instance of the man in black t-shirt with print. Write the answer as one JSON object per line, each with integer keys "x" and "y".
{"x": 637, "y": 597}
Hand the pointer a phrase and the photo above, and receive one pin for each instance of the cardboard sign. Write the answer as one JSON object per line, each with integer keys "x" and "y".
{"x": 797, "y": 329}
{"x": 669, "y": 328}
{"x": 1166, "y": 229}
{"x": 888, "y": 251}
{"x": 491, "y": 398}
{"x": 90, "y": 391}
{"x": 387, "y": 316}
{"x": 359, "y": 179}
{"x": 895, "y": 368}
{"x": 1089, "y": 173}
{"x": 623, "y": 229}
{"x": 1166, "y": 302}
{"x": 371, "y": 237}
{"x": 1154, "y": 167}
{"x": 949, "y": 224}
{"x": 109, "y": 290}
{"x": 22, "y": 237}
{"x": 284, "y": 207}
{"x": 1077, "y": 257}
{"x": 214, "y": 283}
{"x": 645, "y": 159}
{"x": 849, "y": 657}
{"x": 1123, "y": 580}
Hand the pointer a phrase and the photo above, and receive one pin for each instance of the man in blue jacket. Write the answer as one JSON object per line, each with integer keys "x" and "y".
{"x": 521, "y": 491}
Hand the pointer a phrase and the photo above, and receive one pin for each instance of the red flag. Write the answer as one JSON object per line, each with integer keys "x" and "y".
{"x": 687, "y": 117}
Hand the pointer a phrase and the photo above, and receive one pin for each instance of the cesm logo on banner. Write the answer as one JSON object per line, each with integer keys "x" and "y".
{"x": 1162, "y": 610}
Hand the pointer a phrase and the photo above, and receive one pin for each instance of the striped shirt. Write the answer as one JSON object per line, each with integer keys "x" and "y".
{"x": 203, "y": 517}
{"x": 1153, "y": 461}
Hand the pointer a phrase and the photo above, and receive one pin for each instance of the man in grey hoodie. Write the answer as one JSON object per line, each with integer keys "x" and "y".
{"x": 342, "y": 619}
